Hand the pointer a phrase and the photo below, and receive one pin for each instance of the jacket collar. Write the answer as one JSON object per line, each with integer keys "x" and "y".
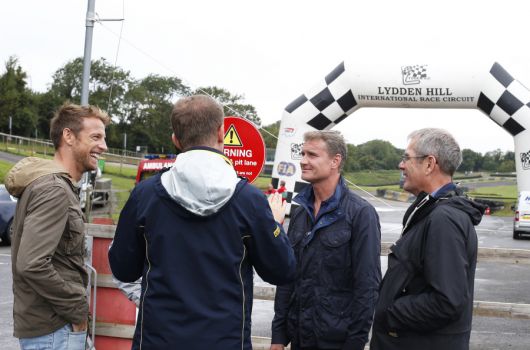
{"x": 440, "y": 192}
{"x": 425, "y": 203}
{"x": 306, "y": 199}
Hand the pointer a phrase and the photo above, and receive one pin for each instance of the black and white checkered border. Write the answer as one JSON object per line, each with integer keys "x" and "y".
{"x": 298, "y": 186}
{"x": 328, "y": 103}
{"x": 506, "y": 101}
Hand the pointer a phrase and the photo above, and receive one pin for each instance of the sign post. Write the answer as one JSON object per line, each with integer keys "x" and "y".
{"x": 245, "y": 147}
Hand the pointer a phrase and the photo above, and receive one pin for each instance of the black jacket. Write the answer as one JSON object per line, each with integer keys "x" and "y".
{"x": 331, "y": 303}
{"x": 426, "y": 298}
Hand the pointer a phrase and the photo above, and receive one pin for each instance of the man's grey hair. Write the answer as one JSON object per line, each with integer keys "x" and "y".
{"x": 439, "y": 143}
{"x": 334, "y": 141}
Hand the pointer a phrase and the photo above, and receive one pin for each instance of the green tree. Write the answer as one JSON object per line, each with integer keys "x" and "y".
{"x": 233, "y": 104}
{"x": 107, "y": 84}
{"x": 506, "y": 166}
{"x": 378, "y": 154}
{"x": 471, "y": 160}
{"x": 146, "y": 112}
{"x": 491, "y": 160}
{"x": 17, "y": 101}
{"x": 352, "y": 160}
{"x": 270, "y": 134}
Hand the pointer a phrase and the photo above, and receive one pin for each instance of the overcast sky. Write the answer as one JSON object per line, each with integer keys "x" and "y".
{"x": 272, "y": 51}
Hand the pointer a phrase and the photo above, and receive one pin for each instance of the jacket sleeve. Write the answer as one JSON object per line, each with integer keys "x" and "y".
{"x": 445, "y": 271}
{"x": 44, "y": 226}
{"x": 269, "y": 249}
{"x": 127, "y": 254}
{"x": 281, "y": 307}
{"x": 366, "y": 260}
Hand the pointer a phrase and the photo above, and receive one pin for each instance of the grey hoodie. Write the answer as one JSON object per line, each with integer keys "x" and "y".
{"x": 47, "y": 250}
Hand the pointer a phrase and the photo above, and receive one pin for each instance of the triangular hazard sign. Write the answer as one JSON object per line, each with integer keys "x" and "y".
{"x": 232, "y": 138}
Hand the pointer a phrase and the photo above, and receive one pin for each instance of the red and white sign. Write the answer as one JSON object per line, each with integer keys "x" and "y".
{"x": 244, "y": 145}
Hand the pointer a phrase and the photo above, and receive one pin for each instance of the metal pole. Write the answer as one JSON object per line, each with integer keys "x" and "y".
{"x": 90, "y": 19}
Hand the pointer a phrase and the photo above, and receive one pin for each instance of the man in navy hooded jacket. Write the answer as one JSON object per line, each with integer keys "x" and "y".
{"x": 194, "y": 234}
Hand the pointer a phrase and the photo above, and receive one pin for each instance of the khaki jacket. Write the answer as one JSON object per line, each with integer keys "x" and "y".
{"x": 47, "y": 249}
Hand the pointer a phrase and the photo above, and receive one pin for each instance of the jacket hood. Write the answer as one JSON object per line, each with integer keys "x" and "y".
{"x": 202, "y": 180}
{"x": 425, "y": 203}
{"x": 28, "y": 170}
{"x": 473, "y": 209}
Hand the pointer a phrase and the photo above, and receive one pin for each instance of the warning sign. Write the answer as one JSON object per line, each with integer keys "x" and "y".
{"x": 244, "y": 145}
{"x": 232, "y": 138}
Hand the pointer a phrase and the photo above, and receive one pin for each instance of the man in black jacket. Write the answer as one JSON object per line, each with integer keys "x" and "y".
{"x": 426, "y": 298}
{"x": 337, "y": 242}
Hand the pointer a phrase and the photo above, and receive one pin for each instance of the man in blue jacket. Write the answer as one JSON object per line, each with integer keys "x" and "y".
{"x": 337, "y": 242}
{"x": 194, "y": 234}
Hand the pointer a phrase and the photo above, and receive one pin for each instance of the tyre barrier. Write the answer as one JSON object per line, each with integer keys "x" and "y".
{"x": 395, "y": 195}
{"x": 115, "y": 315}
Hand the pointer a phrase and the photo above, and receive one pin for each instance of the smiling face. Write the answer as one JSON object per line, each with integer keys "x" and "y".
{"x": 317, "y": 165}
{"x": 89, "y": 144}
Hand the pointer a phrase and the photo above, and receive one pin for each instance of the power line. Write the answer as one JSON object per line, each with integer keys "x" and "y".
{"x": 116, "y": 58}
{"x": 186, "y": 81}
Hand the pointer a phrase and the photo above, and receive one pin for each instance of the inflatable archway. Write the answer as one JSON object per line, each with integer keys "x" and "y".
{"x": 348, "y": 87}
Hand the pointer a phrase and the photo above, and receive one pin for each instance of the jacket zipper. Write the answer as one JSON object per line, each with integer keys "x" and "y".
{"x": 421, "y": 204}
{"x": 146, "y": 288}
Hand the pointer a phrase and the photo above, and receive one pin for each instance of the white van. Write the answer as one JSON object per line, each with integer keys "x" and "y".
{"x": 521, "y": 222}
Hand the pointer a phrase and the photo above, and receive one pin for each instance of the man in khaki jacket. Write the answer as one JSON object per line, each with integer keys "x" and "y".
{"x": 50, "y": 306}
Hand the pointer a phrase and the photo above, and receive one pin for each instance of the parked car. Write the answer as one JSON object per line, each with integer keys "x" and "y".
{"x": 521, "y": 221}
{"x": 98, "y": 187}
{"x": 8, "y": 204}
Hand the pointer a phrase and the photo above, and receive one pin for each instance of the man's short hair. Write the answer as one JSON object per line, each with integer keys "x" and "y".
{"x": 439, "y": 143}
{"x": 71, "y": 116}
{"x": 334, "y": 141}
{"x": 195, "y": 120}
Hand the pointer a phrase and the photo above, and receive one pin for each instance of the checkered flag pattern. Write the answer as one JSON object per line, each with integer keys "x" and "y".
{"x": 328, "y": 103}
{"x": 416, "y": 72}
{"x": 298, "y": 186}
{"x": 506, "y": 101}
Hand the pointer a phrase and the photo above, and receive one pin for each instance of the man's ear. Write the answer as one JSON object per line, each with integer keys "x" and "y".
{"x": 336, "y": 161}
{"x": 176, "y": 142}
{"x": 221, "y": 134}
{"x": 68, "y": 136}
{"x": 431, "y": 164}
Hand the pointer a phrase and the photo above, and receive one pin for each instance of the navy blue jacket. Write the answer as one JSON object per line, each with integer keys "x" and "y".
{"x": 331, "y": 303}
{"x": 197, "y": 271}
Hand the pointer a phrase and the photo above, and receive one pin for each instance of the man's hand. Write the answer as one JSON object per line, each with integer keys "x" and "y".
{"x": 277, "y": 347}
{"x": 277, "y": 207}
{"x": 79, "y": 327}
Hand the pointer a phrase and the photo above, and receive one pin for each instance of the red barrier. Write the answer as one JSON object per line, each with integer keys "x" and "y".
{"x": 115, "y": 314}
